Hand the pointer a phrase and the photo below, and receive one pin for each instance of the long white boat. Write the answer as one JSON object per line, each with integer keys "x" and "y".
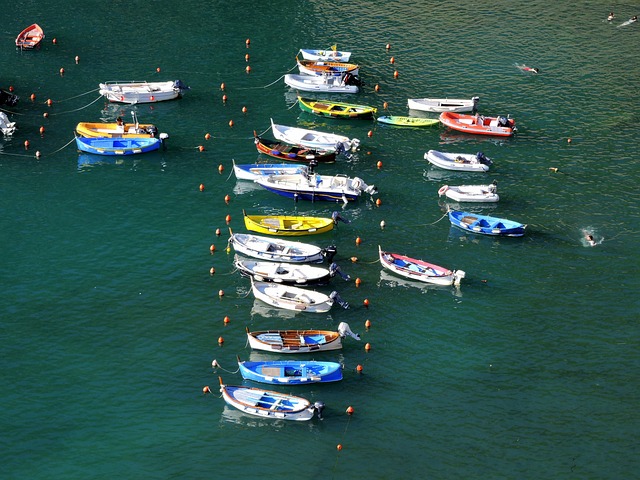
{"x": 313, "y": 138}
{"x": 294, "y": 298}
{"x": 315, "y": 187}
{"x": 279, "y": 250}
{"x": 419, "y": 270}
{"x": 253, "y": 171}
{"x": 323, "y": 83}
{"x": 141, "y": 91}
{"x": 325, "y": 55}
{"x": 299, "y": 275}
{"x": 471, "y": 193}
{"x": 462, "y": 162}
{"x": 439, "y": 105}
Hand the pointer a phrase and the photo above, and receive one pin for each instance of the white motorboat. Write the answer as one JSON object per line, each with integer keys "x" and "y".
{"x": 346, "y": 83}
{"x": 313, "y": 138}
{"x": 294, "y": 298}
{"x": 142, "y": 91}
{"x": 471, "y": 193}
{"x": 439, "y": 105}
{"x": 462, "y": 162}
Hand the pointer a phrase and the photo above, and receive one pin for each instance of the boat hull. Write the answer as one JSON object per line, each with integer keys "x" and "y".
{"x": 291, "y": 372}
{"x": 283, "y": 273}
{"x": 401, "y": 121}
{"x": 315, "y": 187}
{"x": 140, "y": 92}
{"x": 292, "y": 153}
{"x": 336, "y": 109}
{"x": 294, "y": 341}
{"x": 117, "y": 146}
{"x": 470, "y": 193}
{"x": 419, "y": 270}
{"x": 324, "y": 68}
{"x": 460, "y": 162}
{"x": 315, "y": 83}
{"x": 276, "y": 250}
{"x": 291, "y": 298}
{"x": 287, "y": 225}
{"x": 486, "y": 225}
{"x": 88, "y": 129}
{"x": 439, "y": 105}
{"x": 478, "y": 124}
{"x": 253, "y": 171}
{"x": 316, "y": 55}
{"x": 312, "y": 138}
{"x": 30, "y": 38}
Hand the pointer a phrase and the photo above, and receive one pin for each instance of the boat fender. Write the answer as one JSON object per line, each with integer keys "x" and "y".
{"x": 443, "y": 189}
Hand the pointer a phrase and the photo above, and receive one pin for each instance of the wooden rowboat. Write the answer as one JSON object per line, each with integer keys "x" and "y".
{"x": 330, "y": 55}
{"x": 292, "y": 153}
{"x": 479, "y": 124}
{"x": 335, "y": 69}
{"x": 300, "y": 341}
{"x": 124, "y": 130}
{"x": 333, "y": 109}
{"x": 287, "y": 224}
{"x": 30, "y": 37}
{"x": 419, "y": 269}
{"x": 290, "y": 372}
{"x": 400, "y": 121}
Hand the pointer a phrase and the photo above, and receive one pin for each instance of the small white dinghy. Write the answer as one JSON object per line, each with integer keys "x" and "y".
{"x": 286, "y": 273}
{"x": 330, "y": 55}
{"x": 142, "y": 91}
{"x": 471, "y": 193}
{"x": 294, "y": 298}
{"x": 323, "y": 83}
{"x": 313, "y": 139}
{"x": 462, "y": 162}
{"x": 279, "y": 250}
{"x": 439, "y": 105}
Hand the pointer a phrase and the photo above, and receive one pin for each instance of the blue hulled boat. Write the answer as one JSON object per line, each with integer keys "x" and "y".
{"x": 290, "y": 372}
{"x": 486, "y": 225}
{"x": 117, "y": 146}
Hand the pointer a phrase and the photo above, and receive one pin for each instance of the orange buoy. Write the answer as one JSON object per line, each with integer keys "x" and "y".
{"x": 377, "y": 88}
{"x": 220, "y": 340}
{"x": 231, "y": 123}
{"x": 367, "y": 347}
{"x": 49, "y": 102}
{"x": 392, "y": 60}
{"x": 378, "y": 202}
{"x": 11, "y": 88}
{"x": 224, "y": 98}
{"x": 41, "y": 130}
{"x": 370, "y": 133}
{"x": 62, "y": 71}
{"x": 77, "y": 59}
{"x": 54, "y": 41}
{"x": 26, "y": 144}
{"x": 339, "y": 447}
{"x": 358, "y": 241}
{"x": 220, "y": 168}
{"x": 349, "y": 410}
{"x": 221, "y": 293}
{"x": 202, "y": 187}
{"x": 246, "y": 57}
{"x": 367, "y": 324}
{"x": 366, "y": 303}
{"x": 222, "y": 86}
{"x": 212, "y": 271}
{"x": 359, "y": 369}
{"x": 358, "y": 282}
{"x": 226, "y": 320}
{"x": 379, "y": 164}
{"x": 227, "y": 198}
{"x": 568, "y": 140}
{"x": 33, "y": 97}
{"x": 354, "y": 259}
{"x": 152, "y": 98}
{"x": 385, "y": 105}
{"x": 206, "y": 390}
{"x": 158, "y": 69}
{"x": 45, "y": 114}
{"x": 248, "y": 69}
{"x": 217, "y": 232}
{"x": 212, "y": 248}
{"x": 395, "y": 74}
{"x": 388, "y": 46}
{"x": 228, "y": 219}
{"x": 201, "y": 148}
{"x": 244, "y": 109}
{"x": 207, "y": 136}
{"x": 247, "y": 42}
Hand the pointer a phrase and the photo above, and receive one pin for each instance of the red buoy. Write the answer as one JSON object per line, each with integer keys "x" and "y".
{"x": 212, "y": 248}
{"x": 207, "y": 136}
{"x": 358, "y": 282}
{"x": 220, "y": 168}
{"x": 226, "y": 320}
{"x": 228, "y": 219}
{"x": 366, "y": 302}
{"x": 212, "y": 271}
{"x": 202, "y": 187}
{"x": 201, "y": 148}
{"x": 217, "y": 232}
{"x": 227, "y": 198}
{"x": 220, "y": 340}
{"x": 367, "y": 324}
{"x": 379, "y": 164}
{"x": 359, "y": 369}
{"x": 349, "y": 410}
{"x": 358, "y": 241}
{"x": 367, "y": 347}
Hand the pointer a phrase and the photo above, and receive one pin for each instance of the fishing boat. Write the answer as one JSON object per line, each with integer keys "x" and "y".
{"x": 30, "y": 37}
{"x": 331, "y": 55}
{"x": 461, "y": 162}
{"x": 300, "y": 275}
{"x": 419, "y": 270}
{"x": 287, "y": 224}
{"x": 117, "y": 129}
{"x": 313, "y": 138}
{"x": 439, "y": 105}
{"x": 6, "y": 127}
{"x": 300, "y": 341}
{"x": 292, "y": 153}
{"x": 479, "y": 124}
{"x": 133, "y": 92}
{"x": 328, "y": 108}
{"x": 325, "y": 83}
{"x": 486, "y": 225}
{"x": 316, "y": 187}
{"x": 295, "y": 298}
{"x": 335, "y": 69}
{"x": 266, "y": 403}
{"x": 400, "y": 121}
{"x": 253, "y": 171}
{"x": 118, "y": 146}
{"x": 279, "y": 250}
{"x": 471, "y": 193}
{"x": 290, "y": 372}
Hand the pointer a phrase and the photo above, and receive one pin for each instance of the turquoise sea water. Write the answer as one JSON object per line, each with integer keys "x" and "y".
{"x": 110, "y": 318}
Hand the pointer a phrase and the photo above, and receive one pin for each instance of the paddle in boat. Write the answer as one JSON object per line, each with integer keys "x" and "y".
{"x": 30, "y": 37}
{"x": 292, "y": 153}
{"x": 461, "y": 162}
{"x": 471, "y": 193}
{"x": 347, "y": 83}
{"x": 479, "y": 124}
{"x": 286, "y": 273}
{"x": 279, "y": 250}
{"x": 335, "y": 69}
{"x": 313, "y": 138}
{"x": 253, "y": 171}
{"x": 294, "y": 298}
{"x": 289, "y": 224}
{"x": 400, "y": 121}
{"x": 117, "y": 129}
{"x": 269, "y": 404}
{"x": 419, "y": 270}
{"x": 329, "y": 108}
{"x": 316, "y": 187}
{"x": 439, "y": 105}
{"x": 331, "y": 55}
{"x": 300, "y": 341}
{"x": 290, "y": 372}
{"x": 486, "y": 225}
{"x": 141, "y": 91}
{"x": 118, "y": 146}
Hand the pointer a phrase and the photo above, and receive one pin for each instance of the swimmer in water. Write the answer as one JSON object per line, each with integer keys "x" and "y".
{"x": 611, "y": 16}
{"x": 590, "y": 241}
{"x": 524, "y": 68}
{"x": 634, "y": 18}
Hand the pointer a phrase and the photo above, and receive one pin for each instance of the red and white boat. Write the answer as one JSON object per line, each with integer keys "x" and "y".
{"x": 30, "y": 37}
{"x": 420, "y": 270}
{"x": 479, "y": 124}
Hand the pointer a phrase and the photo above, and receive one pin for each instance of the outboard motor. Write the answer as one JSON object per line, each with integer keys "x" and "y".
{"x": 355, "y": 143}
{"x": 180, "y": 85}
{"x": 152, "y": 130}
{"x": 163, "y": 137}
{"x": 329, "y": 252}
{"x": 338, "y": 218}
{"x": 8, "y": 99}
{"x": 318, "y": 407}
{"x": 482, "y": 158}
{"x": 503, "y": 122}
{"x": 344, "y": 330}
{"x": 313, "y": 163}
{"x": 334, "y": 268}
{"x": 351, "y": 79}
{"x": 338, "y": 299}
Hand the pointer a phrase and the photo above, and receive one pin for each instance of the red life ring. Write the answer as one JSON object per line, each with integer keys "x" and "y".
{"x": 443, "y": 189}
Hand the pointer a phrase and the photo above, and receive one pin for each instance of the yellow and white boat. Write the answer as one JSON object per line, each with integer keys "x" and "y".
{"x": 287, "y": 224}
{"x": 118, "y": 129}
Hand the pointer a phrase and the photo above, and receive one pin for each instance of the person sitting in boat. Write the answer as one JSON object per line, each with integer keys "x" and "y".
{"x": 120, "y": 125}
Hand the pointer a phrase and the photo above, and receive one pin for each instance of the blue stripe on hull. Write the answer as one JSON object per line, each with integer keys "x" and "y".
{"x": 313, "y": 196}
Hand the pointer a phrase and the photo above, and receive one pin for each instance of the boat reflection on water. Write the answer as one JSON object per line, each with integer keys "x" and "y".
{"x": 450, "y": 138}
{"x": 86, "y": 160}
{"x": 246, "y": 186}
{"x": 389, "y": 280}
{"x": 267, "y": 311}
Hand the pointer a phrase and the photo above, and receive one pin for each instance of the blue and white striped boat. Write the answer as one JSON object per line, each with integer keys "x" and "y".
{"x": 290, "y": 372}
{"x": 486, "y": 225}
{"x": 117, "y": 145}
